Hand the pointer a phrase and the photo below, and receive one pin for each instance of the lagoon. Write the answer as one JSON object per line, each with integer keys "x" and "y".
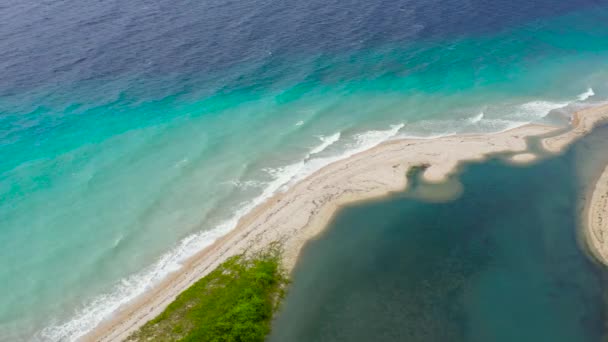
{"x": 500, "y": 262}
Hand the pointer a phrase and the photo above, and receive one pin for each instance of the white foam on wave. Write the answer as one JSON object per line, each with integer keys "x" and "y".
{"x": 475, "y": 119}
{"x": 290, "y": 174}
{"x": 362, "y": 142}
{"x": 535, "y": 110}
{"x": 283, "y": 175}
{"x": 587, "y": 94}
{"x": 246, "y": 184}
{"x": 531, "y": 111}
{"x": 326, "y": 142}
{"x": 299, "y": 123}
{"x": 103, "y": 306}
{"x": 500, "y": 125}
{"x": 431, "y": 129}
{"x": 370, "y": 139}
{"x": 519, "y": 115}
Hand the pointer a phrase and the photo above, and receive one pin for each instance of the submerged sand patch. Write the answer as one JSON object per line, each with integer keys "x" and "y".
{"x": 523, "y": 158}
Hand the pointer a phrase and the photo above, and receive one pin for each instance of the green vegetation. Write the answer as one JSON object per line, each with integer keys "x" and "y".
{"x": 233, "y": 303}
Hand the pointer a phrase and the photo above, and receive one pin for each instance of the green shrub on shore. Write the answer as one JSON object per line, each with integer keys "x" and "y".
{"x": 233, "y": 303}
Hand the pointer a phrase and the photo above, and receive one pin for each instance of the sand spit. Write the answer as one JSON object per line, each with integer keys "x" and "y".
{"x": 597, "y": 219}
{"x": 582, "y": 123}
{"x": 300, "y": 213}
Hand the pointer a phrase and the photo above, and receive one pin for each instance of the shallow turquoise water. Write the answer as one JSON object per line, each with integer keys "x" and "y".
{"x": 499, "y": 263}
{"x": 120, "y": 158}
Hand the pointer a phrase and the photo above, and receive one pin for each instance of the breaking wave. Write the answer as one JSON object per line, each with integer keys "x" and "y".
{"x": 587, "y": 94}
{"x": 102, "y": 307}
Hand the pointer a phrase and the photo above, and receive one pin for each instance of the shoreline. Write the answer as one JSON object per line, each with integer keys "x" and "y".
{"x": 295, "y": 216}
{"x": 594, "y": 216}
{"x": 595, "y": 220}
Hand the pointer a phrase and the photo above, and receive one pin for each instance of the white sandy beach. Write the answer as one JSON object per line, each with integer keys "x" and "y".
{"x": 295, "y": 216}
{"x": 597, "y": 219}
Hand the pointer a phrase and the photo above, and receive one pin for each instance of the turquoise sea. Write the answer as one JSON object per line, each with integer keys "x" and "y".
{"x": 132, "y": 135}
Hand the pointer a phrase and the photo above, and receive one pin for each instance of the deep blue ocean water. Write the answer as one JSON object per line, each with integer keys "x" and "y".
{"x": 132, "y": 134}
